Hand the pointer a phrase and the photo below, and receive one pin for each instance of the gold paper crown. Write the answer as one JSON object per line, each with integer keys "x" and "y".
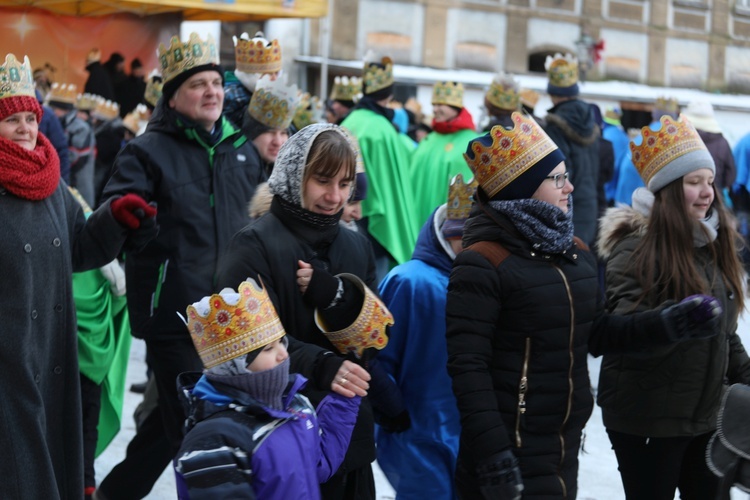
{"x": 257, "y": 55}
{"x": 511, "y": 153}
{"x": 529, "y": 98}
{"x": 16, "y": 78}
{"x": 182, "y": 56}
{"x": 346, "y": 88}
{"x": 154, "y": 85}
{"x": 224, "y": 331}
{"x": 309, "y": 110}
{"x": 504, "y": 92}
{"x": 562, "y": 70}
{"x": 106, "y": 110}
{"x": 460, "y": 197}
{"x": 86, "y": 101}
{"x": 376, "y": 78}
{"x": 449, "y": 93}
{"x": 274, "y": 102}
{"x": 67, "y": 93}
{"x": 657, "y": 148}
{"x": 667, "y": 104}
{"x": 368, "y": 330}
{"x": 135, "y": 119}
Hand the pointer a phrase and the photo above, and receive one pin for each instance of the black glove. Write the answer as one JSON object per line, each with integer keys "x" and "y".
{"x": 148, "y": 230}
{"x": 399, "y": 423}
{"x": 500, "y": 478}
{"x": 696, "y": 317}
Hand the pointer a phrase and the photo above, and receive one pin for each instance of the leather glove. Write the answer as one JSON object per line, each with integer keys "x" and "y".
{"x": 500, "y": 478}
{"x": 114, "y": 273}
{"x": 695, "y": 317}
{"x": 131, "y": 209}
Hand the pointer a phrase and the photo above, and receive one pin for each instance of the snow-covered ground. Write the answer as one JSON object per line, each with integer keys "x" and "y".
{"x": 598, "y": 477}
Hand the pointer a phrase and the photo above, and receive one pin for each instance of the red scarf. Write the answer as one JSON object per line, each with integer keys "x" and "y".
{"x": 461, "y": 122}
{"x": 32, "y": 175}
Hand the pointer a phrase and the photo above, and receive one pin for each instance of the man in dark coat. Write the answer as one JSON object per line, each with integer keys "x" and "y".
{"x": 130, "y": 92}
{"x": 99, "y": 81}
{"x": 570, "y": 124}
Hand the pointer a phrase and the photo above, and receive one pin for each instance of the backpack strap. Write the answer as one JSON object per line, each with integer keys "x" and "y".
{"x": 493, "y": 251}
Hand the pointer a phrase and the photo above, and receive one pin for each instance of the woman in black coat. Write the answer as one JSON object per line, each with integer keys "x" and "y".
{"x": 523, "y": 312}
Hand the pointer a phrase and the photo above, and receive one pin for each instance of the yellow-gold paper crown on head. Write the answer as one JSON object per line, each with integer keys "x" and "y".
{"x": 183, "y": 56}
{"x": 511, "y": 164}
{"x": 309, "y": 110}
{"x": 86, "y": 101}
{"x": 257, "y": 55}
{"x": 529, "y": 98}
{"x": 154, "y": 86}
{"x": 106, "y": 110}
{"x": 346, "y": 88}
{"x": 666, "y": 106}
{"x": 562, "y": 74}
{"x": 63, "y": 93}
{"x": 368, "y": 330}
{"x": 136, "y": 119}
{"x": 667, "y": 150}
{"x": 274, "y": 102}
{"x": 378, "y": 75}
{"x": 448, "y": 93}
{"x": 461, "y": 197}
{"x": 231, "y": 324}
{"x": 504, "y": 92}
{"x": 16, "y": 78}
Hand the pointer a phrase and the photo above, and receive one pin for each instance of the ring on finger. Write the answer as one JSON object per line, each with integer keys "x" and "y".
{"x": 343, "y": 381}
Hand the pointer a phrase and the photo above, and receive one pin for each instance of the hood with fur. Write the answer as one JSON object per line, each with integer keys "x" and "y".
{"x": 261, "y": 202}
{"x": 615, "y": 225}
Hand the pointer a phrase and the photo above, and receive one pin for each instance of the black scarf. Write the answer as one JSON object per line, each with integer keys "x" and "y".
{"x": 368, "y": 102}
{"x": 313, "y": 228}
{"x": 549, "y": 229}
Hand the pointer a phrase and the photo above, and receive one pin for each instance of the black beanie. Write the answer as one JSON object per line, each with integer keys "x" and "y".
{"x": 172, "y": 85}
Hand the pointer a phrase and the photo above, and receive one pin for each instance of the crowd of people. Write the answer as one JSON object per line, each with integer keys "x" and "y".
{"x": 321, "y": 283}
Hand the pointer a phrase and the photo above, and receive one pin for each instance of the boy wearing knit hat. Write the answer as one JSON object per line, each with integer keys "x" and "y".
{"x": 250, "y": 432}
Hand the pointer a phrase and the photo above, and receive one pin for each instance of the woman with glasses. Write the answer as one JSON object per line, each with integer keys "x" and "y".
{"x": 523, "y": 312}
{"x": 660, "y": 407}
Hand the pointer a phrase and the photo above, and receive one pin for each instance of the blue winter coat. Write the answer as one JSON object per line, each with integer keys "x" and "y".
{"x": 620, "y": 144}
{"x": 420, "y": 462}
{"x": 240, "y": 449}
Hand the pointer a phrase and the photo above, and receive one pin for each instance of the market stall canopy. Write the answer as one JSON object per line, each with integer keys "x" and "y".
{"x": 191, "y": 10}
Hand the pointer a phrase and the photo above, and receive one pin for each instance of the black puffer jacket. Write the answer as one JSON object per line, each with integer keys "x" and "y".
{"x": 571, "y": 125}
{"x": 202, "y": 184}
{"x": 519, "y": 333}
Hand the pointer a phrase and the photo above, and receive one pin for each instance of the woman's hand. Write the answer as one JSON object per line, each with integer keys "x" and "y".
{"x": 351, "y": 380}
{"x": 304, "y": 275}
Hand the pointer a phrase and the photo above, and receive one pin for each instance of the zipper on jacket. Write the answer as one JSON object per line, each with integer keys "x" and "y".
{"x": 159, "y": 282}
{"x": 523, "y": 386}
{"x": 570, "y": 372}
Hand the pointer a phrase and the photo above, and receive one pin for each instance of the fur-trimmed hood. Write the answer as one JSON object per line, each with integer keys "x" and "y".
{"x": 576, "y": 121}
{"x": 261, "y": 202}
{"x": 615, "y": 225}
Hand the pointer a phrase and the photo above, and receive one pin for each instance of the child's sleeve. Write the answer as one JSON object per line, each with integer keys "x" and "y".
{"x": 208, "y": 474}
{"x": 336, "y": 418}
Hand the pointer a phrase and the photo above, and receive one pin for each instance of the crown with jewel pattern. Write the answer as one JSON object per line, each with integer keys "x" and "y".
{"x": 376, "y": 78}
{"x": 448, "y": 93}
{"x": 65, "y": 93}
{"x": 257, "y": 55}
{"x": 346, "y": 88}
{"x": 460, "y": 197}
{"x": 510, "y": 153}
{"x": 154, "y": 86}
{"x": 668, "y": 152}
{"x": 562, "y": 70}
{"x": 16, "y": 78}
{"x": 227, "y": 325}
{"x": 504, "y": 92}
{"x": 274, "y": 102}
{"x": 368, "y": 330}
{"x": 183, "y": 56}
{"x": 309, "y": 110}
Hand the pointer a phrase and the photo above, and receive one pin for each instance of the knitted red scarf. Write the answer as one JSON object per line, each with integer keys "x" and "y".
{"x": 32, "y": 175}
{"x": 461, "y": 122}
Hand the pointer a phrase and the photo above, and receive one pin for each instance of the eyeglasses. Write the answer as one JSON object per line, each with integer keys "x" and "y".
{"x": 560, "y": 179}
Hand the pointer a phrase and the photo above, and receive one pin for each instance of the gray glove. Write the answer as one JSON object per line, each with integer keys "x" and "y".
{"x": 499, "y": 478}
{"x": 116, "y": 276}
{"x": 696, "y": 317}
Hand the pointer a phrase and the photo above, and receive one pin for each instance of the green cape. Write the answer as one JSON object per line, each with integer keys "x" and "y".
{"x": 388, "y": 205}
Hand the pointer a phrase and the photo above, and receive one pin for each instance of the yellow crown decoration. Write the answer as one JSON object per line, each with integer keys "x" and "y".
{"x": 106, "y": 110}
{"x": 346, "y": 89}
{"x": 667, "y": 105}
{"x": 529, "y": 97}
{"x": 274, "y": 102}
{"x": 16, "y": 78}
{"x": 67, "y": 93}
{"x": 653, "y": 149}
{"x": 448, "y": 93}
{"x": 86, "y": 101}
{"x": 562, "y": 70}
{"x": 257, "y": 55}
{"x": 135, "y": 120}
{"x": 511, "y": 153}
{"x": 154, "y": 86}
{"x": 460, "y": 197}
{"x": 228, "y": 325}
{"x": 504, "y": 92}
{"x": 309, "y": 110}
{"x": 182, "y": 56}
{"x": 368, "y": 330}
{"x": 376, "y": 78}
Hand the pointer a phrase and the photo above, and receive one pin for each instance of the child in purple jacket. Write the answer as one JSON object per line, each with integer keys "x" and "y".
{"x": 250, "y": 433}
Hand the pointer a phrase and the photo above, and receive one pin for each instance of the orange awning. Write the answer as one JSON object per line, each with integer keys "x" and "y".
{"x": 192, "y": 10}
